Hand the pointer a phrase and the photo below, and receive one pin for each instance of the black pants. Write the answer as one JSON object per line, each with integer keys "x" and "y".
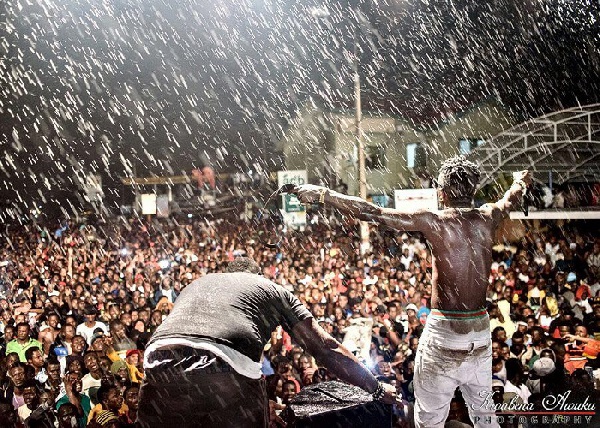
{"x": 210, "y": 395}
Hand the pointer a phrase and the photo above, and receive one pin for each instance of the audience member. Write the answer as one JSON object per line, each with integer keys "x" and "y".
{"x": 86, "y": 302}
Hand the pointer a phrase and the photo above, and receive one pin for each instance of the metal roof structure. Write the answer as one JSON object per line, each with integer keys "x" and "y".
{"x": 566, "y": 143}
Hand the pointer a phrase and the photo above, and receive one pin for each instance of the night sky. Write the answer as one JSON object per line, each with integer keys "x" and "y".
{"x": 139, "y": 87}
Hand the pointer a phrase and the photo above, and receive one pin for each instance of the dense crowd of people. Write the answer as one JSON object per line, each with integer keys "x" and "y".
{"x": 79, "y": 303}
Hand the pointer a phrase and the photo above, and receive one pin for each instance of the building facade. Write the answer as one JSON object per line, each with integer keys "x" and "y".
{"x": 399, "y": 154}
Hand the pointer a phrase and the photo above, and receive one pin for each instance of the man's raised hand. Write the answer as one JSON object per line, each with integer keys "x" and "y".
{"x": 524, "y": 176}
{"x": 309, "y": 193}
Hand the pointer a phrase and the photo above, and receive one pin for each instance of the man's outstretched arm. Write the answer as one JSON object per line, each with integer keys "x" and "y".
{"x": 363, "y": 210}
{"x": 338, "y": 359}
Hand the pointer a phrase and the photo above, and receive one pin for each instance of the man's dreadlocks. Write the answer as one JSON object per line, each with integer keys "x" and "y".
{"x": 458, "y": 179}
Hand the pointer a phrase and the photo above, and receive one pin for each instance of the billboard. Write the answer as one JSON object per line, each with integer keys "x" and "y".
{"x": 148, "y": 203}
{"x": 292, "y": 210}
{"x": 416, "y": 199}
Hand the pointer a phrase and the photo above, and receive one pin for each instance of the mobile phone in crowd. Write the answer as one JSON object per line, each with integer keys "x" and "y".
{"x": 61, "y": 351}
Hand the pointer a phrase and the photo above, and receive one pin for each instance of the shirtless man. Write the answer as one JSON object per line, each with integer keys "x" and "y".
{"x": 48, "y": 332}
{"x": 455, "y": 347}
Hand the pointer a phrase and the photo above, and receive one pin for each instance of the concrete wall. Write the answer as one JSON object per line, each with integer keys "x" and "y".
{"x": 392, "y": 134}
{"x": 482, "y": 121}
{"x": 303, "y": 144}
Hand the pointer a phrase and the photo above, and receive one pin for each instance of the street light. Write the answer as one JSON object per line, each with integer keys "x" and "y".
{"x": 322, "y": 13}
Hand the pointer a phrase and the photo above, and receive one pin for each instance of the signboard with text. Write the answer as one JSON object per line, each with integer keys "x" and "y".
{"x": 292, "y": 204}
{"x": 293, "y": 211}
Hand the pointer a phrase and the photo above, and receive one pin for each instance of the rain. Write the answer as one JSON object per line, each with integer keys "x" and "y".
{"x": 108, "y": 104}
{"x": 85, "y": 82}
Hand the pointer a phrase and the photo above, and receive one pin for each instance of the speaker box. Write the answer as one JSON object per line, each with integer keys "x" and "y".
{"x": 336, "y": 404}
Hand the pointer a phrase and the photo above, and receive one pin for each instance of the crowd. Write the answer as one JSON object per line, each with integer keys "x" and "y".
{"x": 79, "y": 303}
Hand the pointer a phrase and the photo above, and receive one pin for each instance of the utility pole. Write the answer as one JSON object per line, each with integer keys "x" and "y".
{"x": 362, "y": 169}
{"x": 320, "y": 13}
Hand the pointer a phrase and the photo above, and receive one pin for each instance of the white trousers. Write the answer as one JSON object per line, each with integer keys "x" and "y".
{"x": 454, "y": 352}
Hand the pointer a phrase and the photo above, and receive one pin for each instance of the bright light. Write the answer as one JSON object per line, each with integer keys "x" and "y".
{"x": 190, "y": 216}
{"x": 164, "y": 264}
{"x": 370, "y": 363}
{"x": 124, "y": 252}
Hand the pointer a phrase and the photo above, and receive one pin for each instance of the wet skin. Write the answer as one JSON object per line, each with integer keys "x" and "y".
{"x": 461, "y": 239}
{"x": 461, "y": 242}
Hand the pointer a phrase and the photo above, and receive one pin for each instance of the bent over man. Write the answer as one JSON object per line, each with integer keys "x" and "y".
{"x": 455, "y": 347}
{"x": 203, "y": 362}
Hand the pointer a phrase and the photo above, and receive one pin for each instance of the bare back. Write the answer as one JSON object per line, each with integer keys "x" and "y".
{"x": 461, "y": 241}
{"x": 461, "y": 238}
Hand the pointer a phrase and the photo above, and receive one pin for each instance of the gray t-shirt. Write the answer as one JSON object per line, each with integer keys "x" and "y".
{"x": 239, "y": 310}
